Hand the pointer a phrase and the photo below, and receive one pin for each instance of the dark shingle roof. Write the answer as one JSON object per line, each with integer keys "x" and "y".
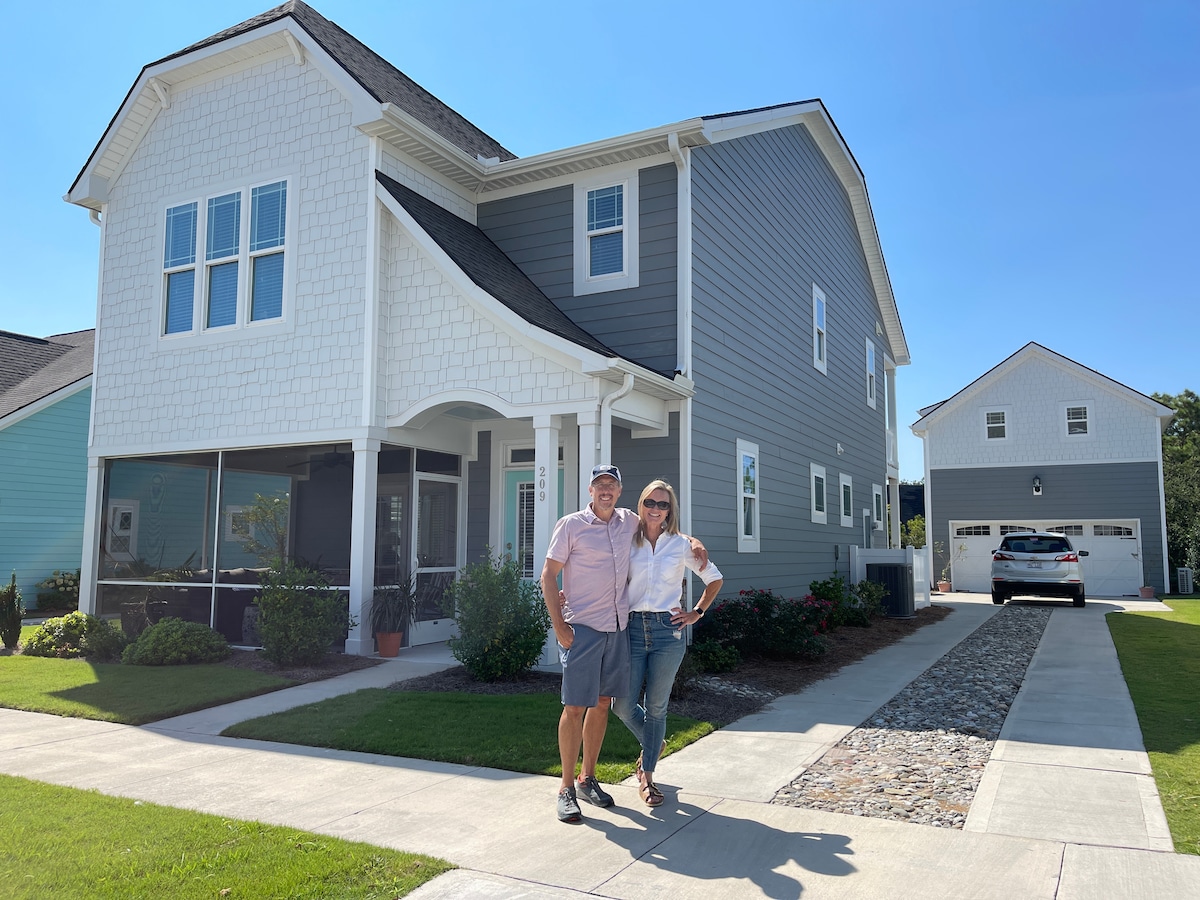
{"x": 31, "y": 368}
{"x": 378, "y": 77}
{"x": 488, "y": 266}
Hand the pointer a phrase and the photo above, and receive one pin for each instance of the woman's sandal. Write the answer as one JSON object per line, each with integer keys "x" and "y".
{"x": 649, "y": 791}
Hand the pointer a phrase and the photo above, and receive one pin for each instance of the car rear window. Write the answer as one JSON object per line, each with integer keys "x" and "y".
{"x": 1028, "y": 544}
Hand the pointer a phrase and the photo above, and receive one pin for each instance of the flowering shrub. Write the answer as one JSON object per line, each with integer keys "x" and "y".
{"x": 59, "y": 591}
{"x": 761, "y": 622}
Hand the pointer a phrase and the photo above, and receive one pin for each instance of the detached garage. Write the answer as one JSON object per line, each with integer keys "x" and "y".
{"x": 1041, "y": 442}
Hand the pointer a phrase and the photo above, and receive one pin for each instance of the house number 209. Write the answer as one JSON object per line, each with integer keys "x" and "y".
{"x": 541, "y": 482}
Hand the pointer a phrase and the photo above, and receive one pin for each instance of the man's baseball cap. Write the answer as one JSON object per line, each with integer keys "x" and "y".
{"x": 610, "y": 471}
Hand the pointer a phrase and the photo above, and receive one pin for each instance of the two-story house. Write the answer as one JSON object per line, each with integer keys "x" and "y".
{"x": 1043, "y": 442}
{"x": 338, "y": 319}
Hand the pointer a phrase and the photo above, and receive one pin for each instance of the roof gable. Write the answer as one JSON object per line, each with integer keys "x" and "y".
{"x": 33, "y": 368}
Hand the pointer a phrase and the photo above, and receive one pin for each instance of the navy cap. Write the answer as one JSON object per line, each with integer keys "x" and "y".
{"x": 611, "y": 471}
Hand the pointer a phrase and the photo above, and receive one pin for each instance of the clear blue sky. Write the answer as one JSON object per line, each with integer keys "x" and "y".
{"x": 1032, "y": 165}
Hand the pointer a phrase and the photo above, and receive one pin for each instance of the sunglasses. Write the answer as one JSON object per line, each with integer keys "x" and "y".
{"x": 656, "y": 504}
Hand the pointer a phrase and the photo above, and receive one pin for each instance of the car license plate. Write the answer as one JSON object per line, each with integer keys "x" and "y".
{"x": 1037, "y": 564}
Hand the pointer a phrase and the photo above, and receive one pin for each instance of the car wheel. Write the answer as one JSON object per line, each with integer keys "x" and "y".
{"x": 1078, "y": 599}
{"x": 998, "y": 598}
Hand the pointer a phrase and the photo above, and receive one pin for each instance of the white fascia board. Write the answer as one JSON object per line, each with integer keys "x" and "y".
{"x": 35, "y": 407}
{"x": 239, "y": 442}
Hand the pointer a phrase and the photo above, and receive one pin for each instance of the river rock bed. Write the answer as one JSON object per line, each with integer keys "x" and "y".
{"x": 919, "y": 757}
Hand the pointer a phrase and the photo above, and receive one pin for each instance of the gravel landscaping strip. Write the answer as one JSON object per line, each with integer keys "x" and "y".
{"x": 919, "y": 757}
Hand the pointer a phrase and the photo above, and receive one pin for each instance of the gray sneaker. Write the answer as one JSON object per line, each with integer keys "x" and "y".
{"x": 590, "y": 790}
{"x": 568, "y": 806}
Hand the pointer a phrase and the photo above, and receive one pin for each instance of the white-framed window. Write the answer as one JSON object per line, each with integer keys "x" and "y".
{"x": 816, "y": 478}
{"x": 1012, "y": 529}
{"x": 1068, "y": 530}
{"x": 973, "y": 530}
{"x": 820, "y": 334}
{"x": 241, "y": 236}
{"x": 1076, "y": 419}
{"x": 1111, "y": 531}
{"x": 606, "y": 233}
{"x": 846, "y": 491}
{"x": 237, "y": 527}
{"x": 121, "y": 530}
{"x": 870, "y": 373}
{"x": 748, "y": 494}
{"x": 996, "y": 423}
{"x": 878, "y": 510}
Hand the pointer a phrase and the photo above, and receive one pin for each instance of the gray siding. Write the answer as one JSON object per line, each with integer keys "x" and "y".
{"x": 535, "y": 231}
{"x": 769, "y": 219}
{"x": 479, "y": 491}
{"x": 1099, "y": 491}
{"x": 645, "y": 459}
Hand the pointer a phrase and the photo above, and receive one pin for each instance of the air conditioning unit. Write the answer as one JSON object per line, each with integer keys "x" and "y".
{"x": 1185, "y": 580}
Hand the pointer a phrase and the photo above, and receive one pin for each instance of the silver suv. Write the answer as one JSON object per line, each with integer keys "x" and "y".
{"x": 1041, "y": 563}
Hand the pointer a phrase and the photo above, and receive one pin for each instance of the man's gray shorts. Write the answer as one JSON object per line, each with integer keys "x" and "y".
{"x": 597, "y": 665}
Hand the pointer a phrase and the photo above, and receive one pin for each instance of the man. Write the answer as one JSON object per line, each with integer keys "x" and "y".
{"x": 591, "y": 550}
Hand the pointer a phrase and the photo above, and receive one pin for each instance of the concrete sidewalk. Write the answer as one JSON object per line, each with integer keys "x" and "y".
{"x": 1066, "y": 808}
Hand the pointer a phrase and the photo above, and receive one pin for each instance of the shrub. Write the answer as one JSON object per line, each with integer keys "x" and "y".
{"x": 59, "y": 591}
{"x": 847, "y": 606}
{"x": 713, "y": 657}
{"x": 301, "y": 615}
{"x": 174, "y": 642}
{"x": 760, "y": 622}
{"x": 794, "y": 630}
{"x": 502, "y": 620}
{"x": 870, "y": 595}
{"x": 77, "y": 634}
{"x": 11, "y": 612}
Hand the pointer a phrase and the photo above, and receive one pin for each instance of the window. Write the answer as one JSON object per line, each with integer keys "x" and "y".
{"x": 870, "y": 373}
{"x": 976, "y": 530}
{"x": 820, "y": 336}
{"x": 846, "y": 485}
{"x": 237, "y": 526}
{"x": 1111, "y": 531}
{"x": 606, "y": 234}
{"x": 877, "y": 505}
{"x": 1010, "y": 529}
{"x": 1075, "y": 416}
{"x": 748, "y": 489}
{"x": 995, "y": 423}
{"x": 121, "y": 531}
{"x": 228, "y": 297}
{"x": 1069, "y": 530}
{"x": 816, "y": 476}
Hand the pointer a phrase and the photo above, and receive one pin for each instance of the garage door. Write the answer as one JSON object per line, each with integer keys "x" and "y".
{"x": 1111, "y": 569}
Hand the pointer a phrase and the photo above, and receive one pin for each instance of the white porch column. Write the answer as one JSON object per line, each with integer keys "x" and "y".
{"x": 360, "y": 641}
{"x": 93, "y": 516}
{"x": 589, "y": 455}
{"x": 894, "y": 507}
{"x": 545, "y": 477}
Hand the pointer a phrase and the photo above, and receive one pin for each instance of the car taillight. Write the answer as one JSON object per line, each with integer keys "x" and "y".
{"x": 998, "y": 555}
{"x": 1067, "y": 557}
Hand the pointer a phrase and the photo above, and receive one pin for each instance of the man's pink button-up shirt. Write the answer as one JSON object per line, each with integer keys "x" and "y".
{"x": 595, "y": 558}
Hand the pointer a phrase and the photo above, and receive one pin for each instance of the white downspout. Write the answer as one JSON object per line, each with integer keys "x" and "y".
{"x": 606, "y": 406}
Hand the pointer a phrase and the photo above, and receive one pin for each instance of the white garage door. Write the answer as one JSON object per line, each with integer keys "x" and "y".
{"x": 1111, "y": 569}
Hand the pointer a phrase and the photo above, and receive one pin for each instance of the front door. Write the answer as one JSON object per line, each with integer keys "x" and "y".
{"x": 436, "y": 552}
{"x": 519, "y": 495}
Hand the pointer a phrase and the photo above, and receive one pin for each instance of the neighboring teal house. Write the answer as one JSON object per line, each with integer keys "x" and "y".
{"x": 45, "y": 402}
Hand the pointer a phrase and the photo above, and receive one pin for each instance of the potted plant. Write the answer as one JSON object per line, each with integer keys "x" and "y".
{"x": 944, "y": 585}
{"x": 393, "y": 610}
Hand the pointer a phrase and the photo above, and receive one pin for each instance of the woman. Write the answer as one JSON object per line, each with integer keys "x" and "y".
{"x": 656, "y": 619}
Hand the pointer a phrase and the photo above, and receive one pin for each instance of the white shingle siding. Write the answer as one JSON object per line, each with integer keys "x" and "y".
{"x": 1120, "y": 429}
{"x": 438, "y": 342}
{"x": 412, "y": 177}
{"x": 277, "y": 119}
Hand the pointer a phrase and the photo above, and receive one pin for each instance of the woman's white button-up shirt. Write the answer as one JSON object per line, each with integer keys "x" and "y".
{"x": 656, "y": 573}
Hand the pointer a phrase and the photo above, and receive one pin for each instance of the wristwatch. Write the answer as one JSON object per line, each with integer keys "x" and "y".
{"x": 699, "y": 611}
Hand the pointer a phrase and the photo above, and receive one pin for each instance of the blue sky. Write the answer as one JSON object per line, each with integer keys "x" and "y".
{"x": 1032, "y": 166}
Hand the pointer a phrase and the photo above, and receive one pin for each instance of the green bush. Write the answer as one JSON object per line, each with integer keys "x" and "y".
{"x": 174, "y": 642}
{"x": 502, "y": 620}
{"x": 11, "y": 612}
{"x": 77, "y": 634}
{"x": 870, "y": 595}
{"x": 713, "y": 657}
{"x": 301, "y": 615}
{"x": 852, "y": 606}
{"x": 760, "y": 622}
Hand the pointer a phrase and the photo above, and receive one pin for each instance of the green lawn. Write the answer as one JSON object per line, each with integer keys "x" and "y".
{"x": 512, "y": 732}
{"x": 1160, "y": 657}
{"x": 61, "y": 842}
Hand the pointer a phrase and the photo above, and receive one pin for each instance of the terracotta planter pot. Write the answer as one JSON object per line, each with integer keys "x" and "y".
{"x": 944, "y": 587}
{"x": 389, "y": 642}
{"x": 1146, "y": 593}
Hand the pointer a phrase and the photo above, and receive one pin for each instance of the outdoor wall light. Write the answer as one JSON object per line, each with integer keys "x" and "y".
{"x": 1037, "y": 486}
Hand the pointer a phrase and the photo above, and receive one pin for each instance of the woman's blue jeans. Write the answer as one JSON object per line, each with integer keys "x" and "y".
{"x": 656, "y": 648}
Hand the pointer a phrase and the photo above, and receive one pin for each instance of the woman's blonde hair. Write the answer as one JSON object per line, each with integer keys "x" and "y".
{"x": 670, "y": 523}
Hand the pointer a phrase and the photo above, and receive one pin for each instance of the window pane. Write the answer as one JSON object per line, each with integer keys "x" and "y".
{"x": 607, "y": 255}
{"x": 180, "y": 296}
{"x": 606, "y": 207}
{"x": 821, "y": 314}
{"x": 266, "y": 301}
{"x": 748, "y": 516}
{"x": 749, "y": 478}
{"x": 181, "y": 236}
{"x": 268, "y": 205}
{"x": 224, "y": 226}
{"x": 819, "y": 494}
{"x": 845, "y": 499}
{"x": 222, "y": 295}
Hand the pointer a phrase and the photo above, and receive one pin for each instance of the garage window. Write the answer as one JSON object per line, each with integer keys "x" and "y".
{"x": 1069, "y": 530}
{"x": 1111, "y": 531}
{"x": 968, "y": 530}
{"x": 1009, "y": 529}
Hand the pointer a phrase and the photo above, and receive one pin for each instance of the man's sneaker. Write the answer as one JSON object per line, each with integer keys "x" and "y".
{"x": 568, "y": 806}
{"x": 590, "y": 790}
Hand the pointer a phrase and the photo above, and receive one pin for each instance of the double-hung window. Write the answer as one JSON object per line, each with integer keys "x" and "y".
{"x": 820, "y": 335}
{"x": 242, "y": 279}
{"x": 748, "y": 489}
{"x": 606, "y": 234}
{"x": 846, "y": 489}
{"x": 870, "y": 373}
{"x": 995, "y": 424}
{"x": 1075, "y": 418}
{"x": 816, "y": 477}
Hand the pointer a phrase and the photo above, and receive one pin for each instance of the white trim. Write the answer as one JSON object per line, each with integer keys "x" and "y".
{"x": 625, "y": 177}
{"x": 821, "y": 516}
{"x": 820, "y": 330}
{"x": 846, "y": 503}
{"x": 1042, "y": 463}
{"x": 748, "y": 543}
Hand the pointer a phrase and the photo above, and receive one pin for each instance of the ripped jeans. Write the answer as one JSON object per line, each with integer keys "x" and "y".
{"x": 656, "y": 648}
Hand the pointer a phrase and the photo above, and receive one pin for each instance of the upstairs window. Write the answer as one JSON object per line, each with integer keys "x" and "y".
{"x": 1076, "y": 419}
{"x": 217, "y": 231}
{"x": 816, "y": 476}
{"x": 606, "y": 231}
{"x": 995, "y": 423}
{"x": 877, "y": 506}
{"x": 820, "y": 336}
{"x": 870, "y": 373}
{"x": 606, "y": 234}
{"x": 748, "y": 497}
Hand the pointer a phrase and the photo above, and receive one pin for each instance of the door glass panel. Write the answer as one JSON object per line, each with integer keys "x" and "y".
{"x": 437, "y": 544}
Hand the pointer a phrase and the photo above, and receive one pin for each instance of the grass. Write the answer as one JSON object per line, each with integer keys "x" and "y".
{"x": 130, "y": 695}
{"x": 62, "y": 842}
{"x": 511, "y": 732}
{"x": 1160, "y": 658}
